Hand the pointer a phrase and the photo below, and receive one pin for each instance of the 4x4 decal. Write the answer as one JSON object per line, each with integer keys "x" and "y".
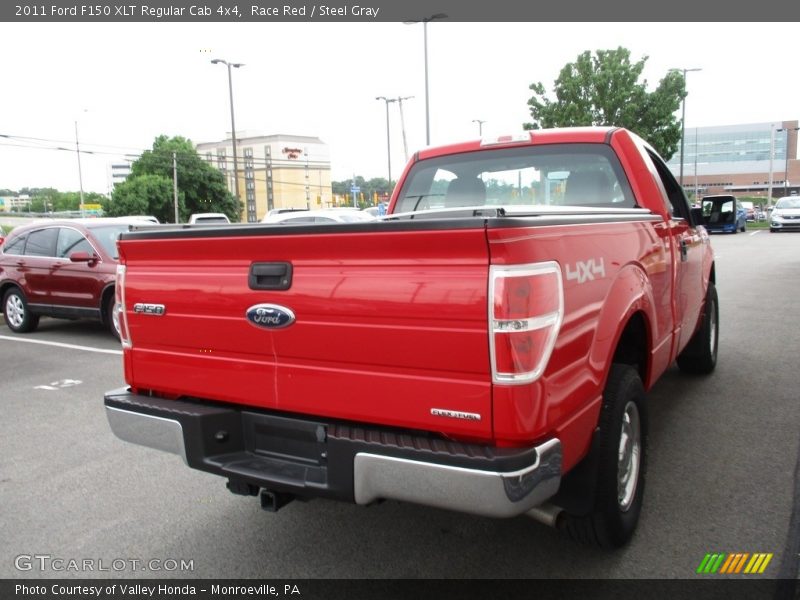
{"x": 586, "y": 270}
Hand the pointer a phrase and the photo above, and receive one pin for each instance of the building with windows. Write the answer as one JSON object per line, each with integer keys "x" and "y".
{"x": 19, "y": 203}
{"x": 275, "y": 171}
{"x": 117, "y": 173}
{"x": 753, "y": 159}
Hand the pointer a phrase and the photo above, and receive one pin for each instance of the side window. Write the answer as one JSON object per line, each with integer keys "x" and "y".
{"x": 16, "y": 247}
{"x": 42, "y": 242}
{"x": 69, "y": 241}
{"x": 675, "y": 195}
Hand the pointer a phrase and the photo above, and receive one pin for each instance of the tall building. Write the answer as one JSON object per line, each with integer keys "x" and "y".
{"x": 275, "y": 171}
{"x": 117, "y": 173}
{"x": 743, "y": 160}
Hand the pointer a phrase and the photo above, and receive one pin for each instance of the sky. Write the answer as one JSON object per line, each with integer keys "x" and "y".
{"x": 124, "y": 84}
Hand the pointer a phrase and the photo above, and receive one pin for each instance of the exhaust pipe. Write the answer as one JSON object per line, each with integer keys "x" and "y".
{"x": 274, "y": 501}
{"x": 547, "y": 514}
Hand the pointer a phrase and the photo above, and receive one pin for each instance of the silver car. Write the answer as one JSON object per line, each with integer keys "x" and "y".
{"x": 786, "y": 215}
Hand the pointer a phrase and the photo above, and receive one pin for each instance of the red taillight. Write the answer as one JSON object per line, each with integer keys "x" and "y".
{"x": 119, "y": 307}
{"x": 525, "y": 313}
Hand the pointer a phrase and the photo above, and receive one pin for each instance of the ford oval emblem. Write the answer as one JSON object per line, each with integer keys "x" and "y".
{"x": 270, "y": 316}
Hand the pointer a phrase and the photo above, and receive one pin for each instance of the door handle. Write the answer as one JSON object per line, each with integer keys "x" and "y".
{"x": 684, "y": 250}
{"x": 270, "y": 276}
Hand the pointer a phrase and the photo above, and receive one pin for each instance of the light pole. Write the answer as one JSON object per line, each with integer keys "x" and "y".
{"x": 217, "y": 61}
{"x": 388, "y": 144}
{"x": 480, "y": 126}
{"x": 695, "y": 166}
{"x": 683, "y": 115}
{"x": 786, "y": 164}
{"x": 425, "y": 22}
{"x": 403, "y": 125}
{"x": 80, "y": 174}
{"x": 771, "y": 153}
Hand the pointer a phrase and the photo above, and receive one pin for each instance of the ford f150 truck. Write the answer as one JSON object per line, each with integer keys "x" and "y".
{"x": 486, "y": 347}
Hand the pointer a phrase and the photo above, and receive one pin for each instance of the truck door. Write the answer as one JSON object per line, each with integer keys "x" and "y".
{"x": 687, "y": 250}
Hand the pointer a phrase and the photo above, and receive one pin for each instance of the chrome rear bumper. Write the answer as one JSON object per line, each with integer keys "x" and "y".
{"x": 351, "y": 462}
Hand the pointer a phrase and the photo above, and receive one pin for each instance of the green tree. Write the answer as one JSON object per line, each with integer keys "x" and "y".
{"x": 376, "y": 185}
{"x": 201, "y": 187}
{"x": 604, "y": 89}
{"x": 145, "y": 195}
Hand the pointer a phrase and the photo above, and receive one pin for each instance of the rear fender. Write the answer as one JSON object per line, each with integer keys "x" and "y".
{"x": 630, "y": 293}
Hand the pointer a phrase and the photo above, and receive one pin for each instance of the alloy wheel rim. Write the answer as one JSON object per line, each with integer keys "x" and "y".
{"x": 15, "y": 311}
{"x": 713, "y": 324}
{"x": 115, "y": 319}
{"x": 629, "y": 456}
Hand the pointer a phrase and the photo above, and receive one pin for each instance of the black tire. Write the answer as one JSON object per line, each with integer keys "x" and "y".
{"x": 111, "y": 323}
{"x": 621, "y": 463}
{"x": 16, "y": 312}
{"x": 700, "y": 355}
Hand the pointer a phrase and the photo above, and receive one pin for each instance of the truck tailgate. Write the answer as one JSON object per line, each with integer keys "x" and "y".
{"x": 391, "y": 322}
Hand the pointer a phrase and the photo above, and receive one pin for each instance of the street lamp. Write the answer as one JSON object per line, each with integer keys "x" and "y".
{"x": 217, "y": 61}
{"x": 425, "y": 22}
{"x": 388, "y": 144}
{"x": 403, "y": 124}
{"x": 786, "y": 164}
{"x": 80, "y": 174}
{"x": 480, "y": 126}
{"x": 683, "y": 114}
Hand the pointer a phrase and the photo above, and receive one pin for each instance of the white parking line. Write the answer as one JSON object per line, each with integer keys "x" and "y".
{"x": 754, "y": 233}
{"x": 60, "y": 345}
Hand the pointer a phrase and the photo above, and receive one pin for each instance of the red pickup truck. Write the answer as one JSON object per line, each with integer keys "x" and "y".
{"x": 484, "y": 348}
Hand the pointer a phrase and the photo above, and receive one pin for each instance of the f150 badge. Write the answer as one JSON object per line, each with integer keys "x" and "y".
{"x": 144, "y": 308}
{"x": 586, "y": 270}
{"x": 270, "y": 316}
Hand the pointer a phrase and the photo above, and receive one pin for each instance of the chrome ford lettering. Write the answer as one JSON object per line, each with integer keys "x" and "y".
{"x": 455, "y": 414}
{"x": 270, "y": 316}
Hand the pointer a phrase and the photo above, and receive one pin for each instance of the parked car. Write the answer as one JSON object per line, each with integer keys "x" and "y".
{"x": 723, "y": 214}
{"x": 278, "y": 211}
{"x": 61, "y": 268}
{"x": 750, "y": 210}
{"x": 786, "y": 214}
{"x": 377, "y": 211}
{"x": 148, "y": 218}
{"x": 324, "y": 215}
{"x": 206, "y": 218}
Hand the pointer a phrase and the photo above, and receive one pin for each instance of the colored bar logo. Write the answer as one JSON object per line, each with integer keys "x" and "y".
{"x": 736, "y": 563}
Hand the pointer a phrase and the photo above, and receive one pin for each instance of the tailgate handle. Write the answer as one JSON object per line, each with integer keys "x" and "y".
{"x": 270, "y": 276}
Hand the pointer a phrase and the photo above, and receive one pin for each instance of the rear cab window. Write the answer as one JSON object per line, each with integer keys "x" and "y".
{"x": 561, "y": 175}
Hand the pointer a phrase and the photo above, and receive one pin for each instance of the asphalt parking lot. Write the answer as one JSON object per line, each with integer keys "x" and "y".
{"x": 722, "y": 474}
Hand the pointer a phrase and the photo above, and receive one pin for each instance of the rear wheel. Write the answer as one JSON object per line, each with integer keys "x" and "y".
{"x": 700, "y": 355}
{"x": 17, "y": 314}
{"x": 620, "y": 463}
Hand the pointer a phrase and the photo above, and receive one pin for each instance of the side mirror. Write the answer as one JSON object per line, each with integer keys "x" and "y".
{"x": 697, "y": 216}
{"x": 82, "y": 256}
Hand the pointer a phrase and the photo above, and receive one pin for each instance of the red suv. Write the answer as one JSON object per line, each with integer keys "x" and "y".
{"x": 60, "y": 268}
